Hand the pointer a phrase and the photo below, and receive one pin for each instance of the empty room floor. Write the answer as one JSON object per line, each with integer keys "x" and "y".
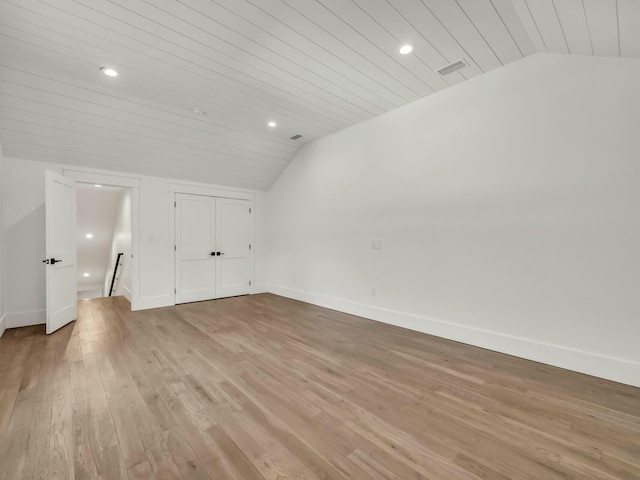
{"x": 263, "y": 387}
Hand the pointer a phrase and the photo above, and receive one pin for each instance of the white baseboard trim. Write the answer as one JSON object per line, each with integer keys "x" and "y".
{"x": 2, "y": 325}
{"x": 145, "y": 303}
{"x": 25, "y": 319}
{"x": 610, "y": 368}
{"x": 126, "y": 292}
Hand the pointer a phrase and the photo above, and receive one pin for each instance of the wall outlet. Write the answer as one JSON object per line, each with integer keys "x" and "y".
{"x": 376, "y": 244}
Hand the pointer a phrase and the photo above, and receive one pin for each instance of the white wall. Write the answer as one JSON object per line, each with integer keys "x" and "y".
{"x": 2, "y": 266}
{"x": 24, "y": 228}
{"x": 121, "y": 243}
{"x": 24, "y": 232}
{"x": 508, "y": 208}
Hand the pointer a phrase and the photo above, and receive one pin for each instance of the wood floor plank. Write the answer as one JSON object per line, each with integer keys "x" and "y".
{"x": 85, "y": 456}
{"x": 184, "y": 458}
{"x": 130, "y": 443}
{"x": 40, "y": 428}
{"x": 160, "y": 458}
{"x": 19, "y": 429}
{"x": 61, "y": 450}
{"x": 263, "y": 387}
{"x": 235, "y": 456}
{"x": 113, "y": 466}
{"x": 11, "y": 373}
{"x": 103, "y": 432}
{"x": 142, "y": 471}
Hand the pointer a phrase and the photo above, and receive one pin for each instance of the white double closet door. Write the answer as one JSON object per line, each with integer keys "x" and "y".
{"x": 213, "y": 251}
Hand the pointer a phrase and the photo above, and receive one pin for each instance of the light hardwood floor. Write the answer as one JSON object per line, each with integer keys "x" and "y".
{"x": 266, "y": 387}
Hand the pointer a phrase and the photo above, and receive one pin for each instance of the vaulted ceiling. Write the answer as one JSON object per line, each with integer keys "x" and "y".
{"x": 312, "y": 66}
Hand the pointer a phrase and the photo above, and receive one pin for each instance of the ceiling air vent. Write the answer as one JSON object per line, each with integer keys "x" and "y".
{"x": 454, "y": 67}
{"x": 295, "y": 137}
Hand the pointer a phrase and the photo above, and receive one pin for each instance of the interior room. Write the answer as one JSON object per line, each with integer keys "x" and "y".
{"x": 103, "y": 241}
{"x": 321, "y": 239}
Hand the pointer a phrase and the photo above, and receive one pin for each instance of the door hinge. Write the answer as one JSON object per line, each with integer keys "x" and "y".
{"x": 174, "y": 248}
{"x": 249, "y": 282}
{"x": 249, "y": 246}
{"x": 175, "y": 290}
{"x": 175, "y": 204}
{"x": 249, "y": 209}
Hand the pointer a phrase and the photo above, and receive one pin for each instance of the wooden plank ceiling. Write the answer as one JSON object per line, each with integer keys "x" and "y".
{"x": 582, "y": 27}
{"x": 312, "y": 66}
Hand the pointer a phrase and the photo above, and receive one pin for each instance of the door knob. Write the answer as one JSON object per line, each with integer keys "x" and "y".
{"x": 213, "y": 254}
{"x": 53, "y": 261}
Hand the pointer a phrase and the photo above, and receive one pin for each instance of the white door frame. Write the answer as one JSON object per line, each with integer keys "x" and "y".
{"x": 126, "y": 182}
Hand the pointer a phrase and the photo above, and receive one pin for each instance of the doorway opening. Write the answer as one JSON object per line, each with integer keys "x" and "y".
{"x": 104, "y": 241}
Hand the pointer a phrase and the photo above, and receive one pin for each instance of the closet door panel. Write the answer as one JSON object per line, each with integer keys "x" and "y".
{"x": 194, "y": 245}
{"x": 234, "y": 271}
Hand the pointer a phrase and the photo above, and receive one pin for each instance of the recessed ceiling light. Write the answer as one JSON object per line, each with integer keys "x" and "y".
{"x": 98, "y": 186}
{"x": 89, "y": 235}
{"x": 405, "y": 49}
{"x": 199, "y": 111}
{"x": 272, "y": 124}
{"x": 85, "y": 274}
{"x": 109, "y": 72}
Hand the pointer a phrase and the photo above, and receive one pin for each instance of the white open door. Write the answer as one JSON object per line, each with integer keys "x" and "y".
{"x": 195, "y": 248}
{"x": 60, "y": 213}
{"x": 234, "y": 271}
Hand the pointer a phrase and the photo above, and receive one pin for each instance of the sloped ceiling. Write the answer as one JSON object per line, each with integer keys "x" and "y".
{"x": 312, "y": 66}
{"x": 583, "y": 27}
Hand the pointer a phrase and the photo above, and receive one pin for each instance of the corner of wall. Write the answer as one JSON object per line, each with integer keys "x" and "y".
{"x": 2, "y": 257}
